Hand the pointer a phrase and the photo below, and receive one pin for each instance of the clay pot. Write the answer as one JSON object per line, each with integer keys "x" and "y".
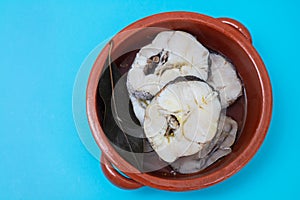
{"x": 224, "y": 35}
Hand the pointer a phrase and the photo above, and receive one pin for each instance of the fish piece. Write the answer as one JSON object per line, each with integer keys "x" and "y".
{"x": 219, "y": 147}
{"x": 170, "y": 55}
{"x": 224, "y": 79}
{"x": 181, "y": 118}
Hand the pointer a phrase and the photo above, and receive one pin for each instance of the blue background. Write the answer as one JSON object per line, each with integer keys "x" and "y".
{"x": 42, "y": 45}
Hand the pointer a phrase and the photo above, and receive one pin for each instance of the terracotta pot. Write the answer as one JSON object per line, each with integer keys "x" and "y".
{"x": 224, "y": 35}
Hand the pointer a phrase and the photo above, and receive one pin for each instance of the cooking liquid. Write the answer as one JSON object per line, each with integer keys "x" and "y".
{"x": 236, "y": 111}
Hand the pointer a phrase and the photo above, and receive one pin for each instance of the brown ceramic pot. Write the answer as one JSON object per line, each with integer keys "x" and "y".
{"x": 224, "y": 35}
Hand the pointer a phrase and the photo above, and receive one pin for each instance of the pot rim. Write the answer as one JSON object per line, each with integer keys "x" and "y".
{"x": 208, "y": 179}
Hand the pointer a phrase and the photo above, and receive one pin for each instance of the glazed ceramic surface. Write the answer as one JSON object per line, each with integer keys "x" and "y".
{"x": 223, "y": 35}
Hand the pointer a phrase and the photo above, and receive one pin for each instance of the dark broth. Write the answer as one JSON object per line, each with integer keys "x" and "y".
{"x": 236, "y": 111}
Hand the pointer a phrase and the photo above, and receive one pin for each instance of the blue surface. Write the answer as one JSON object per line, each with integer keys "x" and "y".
{"x": 42, "y": 46}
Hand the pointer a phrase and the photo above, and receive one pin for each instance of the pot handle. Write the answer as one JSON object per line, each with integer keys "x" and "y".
{"x": 116, "y": 178}
{"x": 238, "y": 26}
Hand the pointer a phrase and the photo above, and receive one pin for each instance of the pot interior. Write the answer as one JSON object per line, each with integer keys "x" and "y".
{"x": 246, "y": 110}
